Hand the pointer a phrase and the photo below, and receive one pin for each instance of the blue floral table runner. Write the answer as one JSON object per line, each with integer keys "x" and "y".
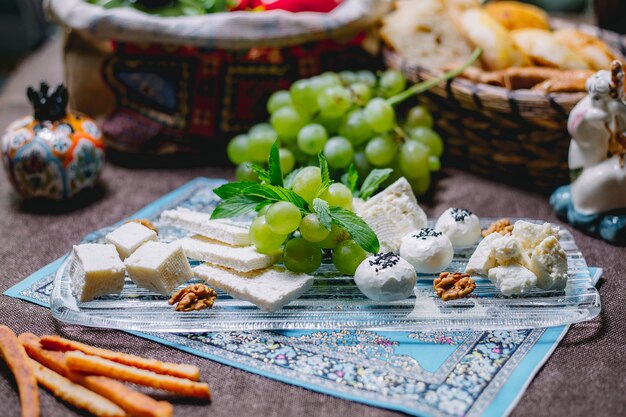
{"x": 422, "y": 373}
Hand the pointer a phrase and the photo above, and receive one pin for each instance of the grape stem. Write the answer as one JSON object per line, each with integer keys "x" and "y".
{"x": 427, "y": 85}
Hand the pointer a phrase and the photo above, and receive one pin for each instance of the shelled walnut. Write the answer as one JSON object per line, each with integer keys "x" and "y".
{"x": 145, "y": 222}
{"x": 502, "y": 226}
{"x": 193, "y": 297}
{"x": 451, "y": 286}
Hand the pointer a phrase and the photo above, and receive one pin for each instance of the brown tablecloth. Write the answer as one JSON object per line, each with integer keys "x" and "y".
{"x": 586, "y": 375}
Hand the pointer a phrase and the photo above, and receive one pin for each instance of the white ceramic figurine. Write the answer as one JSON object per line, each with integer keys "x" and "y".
{"x": 596, "y": 199}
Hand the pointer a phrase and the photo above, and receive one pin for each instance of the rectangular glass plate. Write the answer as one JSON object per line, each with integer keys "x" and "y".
{"x": 334, "y": 302}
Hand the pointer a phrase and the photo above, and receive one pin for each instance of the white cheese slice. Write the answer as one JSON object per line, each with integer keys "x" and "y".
{"x": 508, "y": 250}
{"x": 269, "y": 289}
{"x": 549, "y": 263}
{"x": 512, "y": 279}
{"x": 200, "y": 223}
{"x": 392, "y": 214}
{"x": 159, "y": 267}
{"x": 529, "y": 235}
{"x": 483, "y": 259}
{"x": 95, "y": 269}
{"x": 241, "y": 258}
{"x": 128, "y": 237}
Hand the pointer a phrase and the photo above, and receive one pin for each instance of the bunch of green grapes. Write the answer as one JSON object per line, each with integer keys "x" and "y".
{"x": 301, "y": 236}
{"x": 349, "y": 117}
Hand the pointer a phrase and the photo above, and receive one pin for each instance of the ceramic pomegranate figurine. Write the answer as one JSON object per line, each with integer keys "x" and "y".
{"x": 596, "y": 199}
{"x": 55, "y": 153}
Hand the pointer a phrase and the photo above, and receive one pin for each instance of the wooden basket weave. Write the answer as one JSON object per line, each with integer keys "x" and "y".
{"x": 519, "y": 137}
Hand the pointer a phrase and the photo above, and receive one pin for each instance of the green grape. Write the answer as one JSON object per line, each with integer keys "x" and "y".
{"x": 380, "y": 115}
{"x": 339, "y": 152}
{"x": 331, "y": 124}
{"x": 283, "y": 217}
{"x": 391, "y": 83}
{"x": 334, "y": 101}
{"x": 413, "y": 159}
{"x": 361, "y": 93}
{"x": 279, "y": 99}
{"x": 287, "y": 122}
{"x": 304, "y": 96}
{"x": 244, "y": 172}
{"x": 354, "y": 127}
{"x": 434, "y": 163}
{"x": 420, "y": 184}
{"x": 327, "y": 79}
{"x": 262, "y": 237}
{"x": 312, "y": 230}
{"x": 347, "y": 77}
{"x": 381, "y": 151}
{"x": 428, "y": 137}
{"x": 263, "y": 210}
{"x": 338, "y": 195}
{"x": 307, "y": 183}
{"x": 260, "y": 143}
{"x": 312, "y": 138}
{"x": 336, "y": 235}
{"x": 260, "y": 127}
{"x": 419, "y": 116}
{"x": 366, "y": 77}
{"x": 347, "y": 256}
{"x": 238, "y": 149}
{"x": 362, "y": 165}
{"x": 301, "y": 256}
{"x": 287, "y": 160}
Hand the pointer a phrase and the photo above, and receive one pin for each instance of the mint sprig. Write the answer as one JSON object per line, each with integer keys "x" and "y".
{"x": 362, "y": 234}
{"x": 322, "y": 209}
{"x": 275, "y": 173}
{"x": 236, "y": 206}
{"x": 373, "y": 182}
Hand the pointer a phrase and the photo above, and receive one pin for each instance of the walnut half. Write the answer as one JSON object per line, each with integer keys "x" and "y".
{"x": 450, "y": 286}
{"x": 146, "y": 223}
{"x": 502, "y": 226}
{"x": 193, "y": 297}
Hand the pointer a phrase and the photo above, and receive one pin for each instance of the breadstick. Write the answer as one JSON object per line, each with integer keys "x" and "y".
{"x": 74, "y": 394}
{"x": 15, "y": 356}
{"x": 165, "y": 368}
{"x": 133, "y": 402}
{"x": 78, "y": 361}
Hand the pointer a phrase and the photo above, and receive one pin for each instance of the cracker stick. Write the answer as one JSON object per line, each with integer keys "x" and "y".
{"x": 133, "y": 402}
{"x": 15, "y": 356}
{"x": 75, "y": 394}
{"x": 78, "y": 361}
{"x": 165, "y": 368}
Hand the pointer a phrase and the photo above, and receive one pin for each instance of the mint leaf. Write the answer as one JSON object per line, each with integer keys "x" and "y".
{"x": 264, "y": 174}
{"x": 362, "y": 234}
{"x": 373, "y": 181}
{"x": 275, "y": 174}
{"x": 326, "y": 181}
{"x": 273, "y": 193}
{"x": 323, "y": 212}
{"x": 232, "y": 189}
{"x": 291, "y": 177}
{"x": 352, "y": 177}
{"x": 235, "y": 206}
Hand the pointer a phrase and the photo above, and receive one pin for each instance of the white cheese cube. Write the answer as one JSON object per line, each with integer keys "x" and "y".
{"x": 529, "y": 235}
{"x": 128, "y": 237}
{"x": 95, "y": 269}
{"x": 242, "y": 258}
{"x": 483, "y": 259}
{"x": 269, "y": 289}
{"x": 221, "y": 230}
{"x": 159, "y": 267}
{"x": 512, "y": 279}
{"x": 549, "y": 263}
{"x": 507, "y": 250}
{"x": 392, "y": 214}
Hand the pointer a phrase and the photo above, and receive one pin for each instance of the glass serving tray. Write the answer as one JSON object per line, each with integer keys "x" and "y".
{"x": 334, "y": 302}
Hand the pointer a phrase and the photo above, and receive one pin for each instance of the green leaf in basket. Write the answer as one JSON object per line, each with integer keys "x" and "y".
{"x": 323, "y": 212}
{"x": 373, "y": 181}
{"x": 362, "y": 234}
{"x": 236, "y": 206}
{"x": 275, "y": 173}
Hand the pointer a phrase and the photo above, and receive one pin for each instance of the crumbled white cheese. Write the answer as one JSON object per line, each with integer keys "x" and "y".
{"x": 549, "y": 263}
{"x": 512, "y": 279}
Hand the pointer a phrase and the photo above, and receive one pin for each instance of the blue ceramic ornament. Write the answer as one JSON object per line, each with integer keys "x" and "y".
{"x": 54, "y": 153}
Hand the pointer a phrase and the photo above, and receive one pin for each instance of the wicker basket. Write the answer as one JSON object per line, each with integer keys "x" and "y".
{"x": 519, "y": 137}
